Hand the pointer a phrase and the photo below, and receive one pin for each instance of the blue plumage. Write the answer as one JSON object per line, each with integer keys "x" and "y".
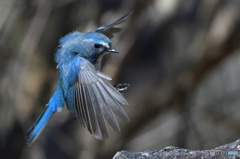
{"x": 84, "y": 89}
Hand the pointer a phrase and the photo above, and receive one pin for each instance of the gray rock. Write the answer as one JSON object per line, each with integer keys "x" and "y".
{"x": 231, "y": 150}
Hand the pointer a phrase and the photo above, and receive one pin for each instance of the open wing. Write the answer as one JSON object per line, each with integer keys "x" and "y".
{"x": 109, "y": 29}
{"x": 93, "y": 100}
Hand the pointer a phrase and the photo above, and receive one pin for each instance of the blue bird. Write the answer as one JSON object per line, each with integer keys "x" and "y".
{"x": 81, "y": 86}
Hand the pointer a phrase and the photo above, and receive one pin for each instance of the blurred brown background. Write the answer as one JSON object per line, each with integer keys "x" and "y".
{"x": 181, "y": 57}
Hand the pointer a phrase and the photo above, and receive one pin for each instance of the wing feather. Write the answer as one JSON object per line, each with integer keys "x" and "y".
{"x": 101, "y": 120}
{"x": 102, "y": 75}
{"x": 103, "y": 103}
{"x": 92, "y": 78}
{"x": 114, "y": 93}
{"x": 83, "y": 103}
{"x": 78, "y": 104}
{"x": 92, "y": 113}
{"x": 86, "y": 111}
{"x": 109, "y": 30}
{"x": 81, "y": 99}
{"x": 110, "y": 25}
{"x": 86, "y": 102}
{"x": 114, "y": 104}
{"x": 105, "y": 109}
{"x": 93, "y": 100}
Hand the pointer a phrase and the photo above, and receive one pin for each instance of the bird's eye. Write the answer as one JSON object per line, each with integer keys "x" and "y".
{"x": 96, "y": 46}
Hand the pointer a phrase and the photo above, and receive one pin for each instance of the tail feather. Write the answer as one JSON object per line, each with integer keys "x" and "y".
{"x": 39, "y": 125}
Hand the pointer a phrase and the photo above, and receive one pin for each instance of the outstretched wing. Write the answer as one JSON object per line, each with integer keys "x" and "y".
{"x": 93, "y": 100}
{"x": 109, "y": 29}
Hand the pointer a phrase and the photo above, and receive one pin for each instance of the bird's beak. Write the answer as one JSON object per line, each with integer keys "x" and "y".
{"x": 113, "y": 51}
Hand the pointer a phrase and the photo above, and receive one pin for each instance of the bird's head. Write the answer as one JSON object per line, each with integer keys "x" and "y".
{"x": 91, "y": 46}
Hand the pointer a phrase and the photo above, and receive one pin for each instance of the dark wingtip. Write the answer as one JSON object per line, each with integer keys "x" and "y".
{"x": 111, "y": 25}
{"x": 128, "y": 14}
{"x": 125, "y": 16}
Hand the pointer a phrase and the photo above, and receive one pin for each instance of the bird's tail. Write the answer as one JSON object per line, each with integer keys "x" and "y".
{"x": 38, "y": 126}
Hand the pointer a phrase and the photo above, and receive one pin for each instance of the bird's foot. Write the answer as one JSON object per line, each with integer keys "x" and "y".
{"x": 122, "y": 87}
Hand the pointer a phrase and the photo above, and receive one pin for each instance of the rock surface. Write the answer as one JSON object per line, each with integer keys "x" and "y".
{"x": 231, "y": 150}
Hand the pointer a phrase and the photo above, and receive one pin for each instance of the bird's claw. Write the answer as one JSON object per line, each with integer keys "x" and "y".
{"x": 122, "y": 87}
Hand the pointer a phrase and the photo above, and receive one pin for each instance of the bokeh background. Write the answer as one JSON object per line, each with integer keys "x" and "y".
{"x": 181, "y": 58}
